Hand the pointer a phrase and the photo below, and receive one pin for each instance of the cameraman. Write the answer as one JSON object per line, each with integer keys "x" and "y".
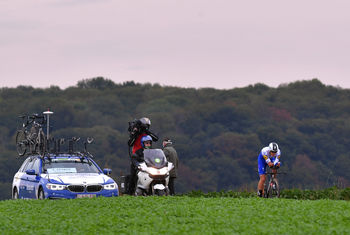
{"x": 137, "y": 129}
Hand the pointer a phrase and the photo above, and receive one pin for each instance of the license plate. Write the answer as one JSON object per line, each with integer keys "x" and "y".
{"x": 86, "y": 195}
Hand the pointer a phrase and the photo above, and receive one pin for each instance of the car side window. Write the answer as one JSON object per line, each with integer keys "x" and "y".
{"x": 36, "y": 165}
{"x": 21, "y": 169}
{"x": 29, "y": 165}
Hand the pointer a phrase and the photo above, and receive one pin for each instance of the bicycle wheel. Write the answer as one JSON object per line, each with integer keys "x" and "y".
{"x": 277, "y": 188}
{"x": 273, "y": 189}
{"x": 42, "y": 143}
{"x": 21, "y": 143}
{"x": 267, "y": 190}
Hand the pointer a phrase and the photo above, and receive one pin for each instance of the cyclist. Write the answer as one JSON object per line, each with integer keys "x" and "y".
{"x": 136, "y": 159}
{"x": 269, "y": 156}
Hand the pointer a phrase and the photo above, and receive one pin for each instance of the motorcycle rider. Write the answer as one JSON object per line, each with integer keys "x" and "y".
{"x": 269, "y": 156}
{"x": 136, "y": 159}
{"x": 171, "y": 155}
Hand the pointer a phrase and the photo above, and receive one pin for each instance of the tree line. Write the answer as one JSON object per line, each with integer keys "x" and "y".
{"x": 217, "y": 133}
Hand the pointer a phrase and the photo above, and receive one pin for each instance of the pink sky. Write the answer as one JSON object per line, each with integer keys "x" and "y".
{"x": 186, "y": 43}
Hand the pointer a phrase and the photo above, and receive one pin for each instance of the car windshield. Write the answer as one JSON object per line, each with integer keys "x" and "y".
{"x": 69, "y": 165}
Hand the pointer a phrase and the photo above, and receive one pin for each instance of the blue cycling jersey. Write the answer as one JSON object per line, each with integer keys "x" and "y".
{"x": 265, "y": 157}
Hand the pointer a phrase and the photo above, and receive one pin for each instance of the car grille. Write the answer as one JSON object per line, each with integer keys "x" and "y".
{"x": 76, "y": 188}
{"x": 93, "y": 188}
{"x": 82, "y": 188}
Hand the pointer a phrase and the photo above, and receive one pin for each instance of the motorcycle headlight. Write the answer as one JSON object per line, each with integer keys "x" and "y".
{"x": 110, "y": 186}
{"x": 56, "y": 186}
{"x": 154, "y": 171}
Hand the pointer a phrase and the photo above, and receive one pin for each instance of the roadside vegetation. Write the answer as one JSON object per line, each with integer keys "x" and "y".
{"x": 332, "y": 193}
{"x": 175, "y": 215}
{"x": 217, "y": 133}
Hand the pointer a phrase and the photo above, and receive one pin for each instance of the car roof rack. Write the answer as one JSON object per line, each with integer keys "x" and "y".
{"x": 52, "y": 145}
{"x": 72, "y": 142}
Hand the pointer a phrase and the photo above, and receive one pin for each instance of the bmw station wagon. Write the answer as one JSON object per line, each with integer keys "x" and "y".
{"x": 62, "y": 176}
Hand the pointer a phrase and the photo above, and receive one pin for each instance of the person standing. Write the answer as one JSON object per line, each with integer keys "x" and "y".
{"x": 171, "y": 155}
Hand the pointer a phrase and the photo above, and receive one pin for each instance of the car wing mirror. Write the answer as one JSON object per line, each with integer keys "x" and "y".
{"x": 107, "y": 171}
{"x": 30, "y": 172}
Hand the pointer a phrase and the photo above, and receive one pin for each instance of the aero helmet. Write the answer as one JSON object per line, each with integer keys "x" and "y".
{"x": 273, "y": 147}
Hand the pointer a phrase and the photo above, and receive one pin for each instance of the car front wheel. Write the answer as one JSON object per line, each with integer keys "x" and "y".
{"x": 41, "y": 194}
{"x": 15, "y": 194}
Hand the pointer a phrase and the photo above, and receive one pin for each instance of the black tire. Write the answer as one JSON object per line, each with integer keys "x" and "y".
{"x": 160, "y": 192}
{"x": 21, "y": 143}
{"x": 139, "y": 192}
{"x": 266, "y": 192}
{"x": 41, "y": 195}
{"x": 15, "y": 194}
{"x": 42, "y": 143}
{"x": 277, "y": 189}
{"x": 167, "y": 191}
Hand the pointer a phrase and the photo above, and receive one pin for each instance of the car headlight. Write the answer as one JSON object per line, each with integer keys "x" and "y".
{"x": 56, "y": 186}
{"x": 110, "y": 186}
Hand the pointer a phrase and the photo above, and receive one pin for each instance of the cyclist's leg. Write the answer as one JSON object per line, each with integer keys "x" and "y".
{"x": 262, "y": 175}
{"x": 261, "y": 185}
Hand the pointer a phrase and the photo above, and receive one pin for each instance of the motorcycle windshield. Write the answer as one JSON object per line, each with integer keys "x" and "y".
{"x": 155, "y": 158}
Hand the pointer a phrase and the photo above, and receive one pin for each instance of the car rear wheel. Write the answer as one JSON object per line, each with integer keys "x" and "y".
{"x": 41, "y": 195}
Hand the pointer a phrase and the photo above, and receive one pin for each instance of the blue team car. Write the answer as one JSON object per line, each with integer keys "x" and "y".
{"x": 62, "y": 175}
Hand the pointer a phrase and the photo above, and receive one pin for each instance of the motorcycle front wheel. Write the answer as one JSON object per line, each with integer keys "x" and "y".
{"x": 140, "y": 192}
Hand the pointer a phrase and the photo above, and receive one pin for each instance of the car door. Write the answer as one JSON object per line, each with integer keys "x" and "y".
{"x": 33, "y": 180}
{"x": 25, "y": 186}
{"x": 19, "y": 177}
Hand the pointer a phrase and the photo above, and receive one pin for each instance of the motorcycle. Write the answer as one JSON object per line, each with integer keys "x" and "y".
{"x": 153, "y": 174}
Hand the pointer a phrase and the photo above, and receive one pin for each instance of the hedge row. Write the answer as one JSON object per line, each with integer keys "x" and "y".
{"x": 332, "y": 193}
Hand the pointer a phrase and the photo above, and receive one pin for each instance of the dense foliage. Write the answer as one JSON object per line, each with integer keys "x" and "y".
{"x": 333, "y": 193}
{"x": 217, "y": 133}
{"x": 174, "y": 215}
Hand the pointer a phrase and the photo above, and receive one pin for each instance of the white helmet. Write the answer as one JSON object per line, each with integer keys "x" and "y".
{"x": 273, "y": 147}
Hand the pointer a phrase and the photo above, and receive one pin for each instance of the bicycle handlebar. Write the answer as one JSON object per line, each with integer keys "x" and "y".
{"x": 29, "y": 119}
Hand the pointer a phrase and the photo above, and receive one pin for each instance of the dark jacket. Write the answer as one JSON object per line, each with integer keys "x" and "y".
{"x": 171, "y": 156}
{"x": 137, "y": 158}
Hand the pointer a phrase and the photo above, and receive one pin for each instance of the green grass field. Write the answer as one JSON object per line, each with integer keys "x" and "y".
{"x": 175, "y": 215}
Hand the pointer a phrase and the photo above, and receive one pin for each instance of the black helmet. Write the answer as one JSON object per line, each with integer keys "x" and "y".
{"x": 145, "y": 123}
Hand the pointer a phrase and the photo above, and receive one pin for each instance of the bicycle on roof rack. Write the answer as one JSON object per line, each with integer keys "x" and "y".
{"x": 31, "y": 138}
{"x": 272, "y": 188}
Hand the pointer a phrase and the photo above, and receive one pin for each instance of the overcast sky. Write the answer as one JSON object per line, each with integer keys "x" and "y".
{"x": 187, "y": 43}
